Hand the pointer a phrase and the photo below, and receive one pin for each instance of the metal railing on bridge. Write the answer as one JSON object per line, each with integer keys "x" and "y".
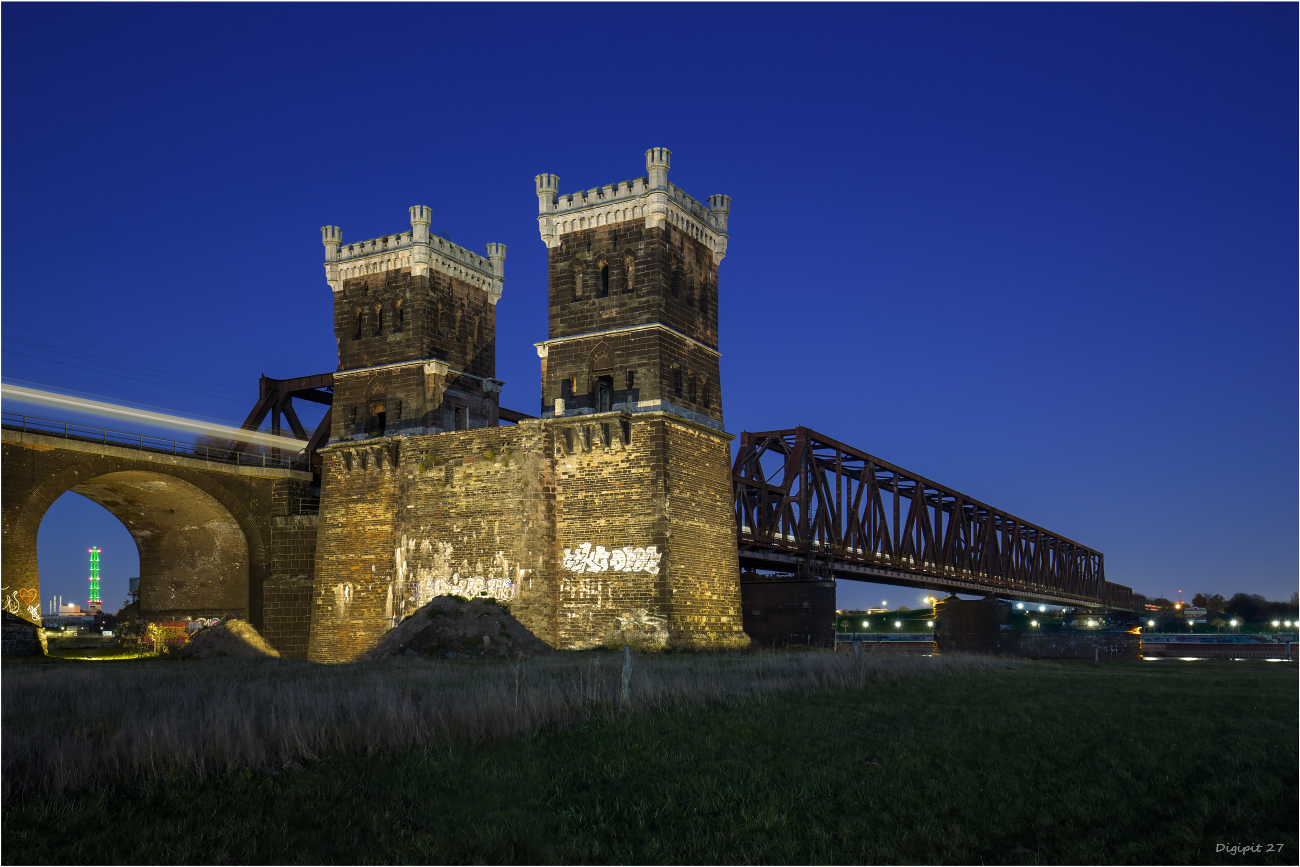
{"x": 805, "y": 499}
{"x": 219, "y": 452}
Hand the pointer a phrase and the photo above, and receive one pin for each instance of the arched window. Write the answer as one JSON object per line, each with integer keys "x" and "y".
{"x": 604, "y": 281}
{"x": 379, "y": 321}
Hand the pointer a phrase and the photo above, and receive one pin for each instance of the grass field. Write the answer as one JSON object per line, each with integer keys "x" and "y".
{"x": 1127, "y": 763}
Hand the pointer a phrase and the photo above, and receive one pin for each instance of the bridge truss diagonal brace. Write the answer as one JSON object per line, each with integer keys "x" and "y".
{"x": 800, "y": 492}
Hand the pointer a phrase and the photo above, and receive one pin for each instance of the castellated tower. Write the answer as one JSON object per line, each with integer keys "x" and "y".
{"x": 608, "y": 520}
{"x": 631, "y": 391}
{"x": 415, "y": 322}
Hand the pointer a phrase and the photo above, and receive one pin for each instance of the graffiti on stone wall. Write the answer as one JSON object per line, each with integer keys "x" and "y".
{"x": 426, "y": 568}
{"x": 18, "y": 601}
{"x": 585, "y": 558}
{"x": 342, "y": 598}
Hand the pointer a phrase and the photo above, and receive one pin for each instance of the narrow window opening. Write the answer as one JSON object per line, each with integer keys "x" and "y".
{"x": 677, "y": 382}
{"x": 627, "y": 432}
{"x": 462, "y": 418}
{"x": 690, "y": 291}
{"x": 604, "y": 281}
{"x": 401, "y": 317}
{"x": 604, "y": 393}
{"x": 631, "y": 380}
{"x": 704, "y": 299}
{"x": 360, "y": 323}
{"x": 691, "y": 395}
{"x": 378, "y": 419}
{"x": 379, "y": 321}
{"x": 586, "y": 438}
{"x": 604, "y": 434}
{"x": 568, "y": 440}
{"x": 708, "y": 394}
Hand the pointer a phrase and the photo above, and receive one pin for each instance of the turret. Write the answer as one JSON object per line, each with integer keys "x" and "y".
{"x": 497, "y": 256}
{"x": 720, "y": 207}
{"x": 420, "y": 217}
{"x": 332, "y": 237}
{"x": 548, "y": 187}
{"x": 657, "y": 162}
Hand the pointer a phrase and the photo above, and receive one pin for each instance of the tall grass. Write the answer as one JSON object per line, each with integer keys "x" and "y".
{"x": 66, "y": 727}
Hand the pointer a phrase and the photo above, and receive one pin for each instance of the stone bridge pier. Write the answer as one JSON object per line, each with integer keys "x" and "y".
{"x": 206, "y": 532}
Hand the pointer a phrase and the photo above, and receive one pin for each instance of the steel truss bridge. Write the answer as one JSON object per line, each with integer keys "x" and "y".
{"x": 808, "y": 504}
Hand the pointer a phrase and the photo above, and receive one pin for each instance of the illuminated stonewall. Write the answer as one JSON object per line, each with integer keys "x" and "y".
{"x": 609, "y": 519}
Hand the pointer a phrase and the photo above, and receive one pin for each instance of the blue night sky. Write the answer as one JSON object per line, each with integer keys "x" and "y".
{"x": 1044, "y": 254}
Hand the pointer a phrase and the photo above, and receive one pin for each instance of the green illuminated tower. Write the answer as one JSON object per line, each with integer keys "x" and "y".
{"x": 93, "y": 602}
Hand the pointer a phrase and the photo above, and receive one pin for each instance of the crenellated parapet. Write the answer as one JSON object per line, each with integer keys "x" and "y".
{"x": 418, "y": 250}
{"x": 652, "y": 199}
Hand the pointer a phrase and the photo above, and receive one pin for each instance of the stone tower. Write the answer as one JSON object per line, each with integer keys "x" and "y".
{"x": 608, "y": 520}
{"x": 633, "y": 297}
{"x": 415, "y": 322}
{"x": 632, "y": 399}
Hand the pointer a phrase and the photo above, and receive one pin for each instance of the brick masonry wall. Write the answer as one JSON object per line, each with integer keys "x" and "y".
{"x": 651, "y": 356}
{"x": 492, "y": 511}
{"x": 354, "y": 550}
{"x": 203, "y": 529}
{"x": 441, "y": 318}
{"x": 783, "y": 611}
{"x": 656, "y": 276}
{"x": 702, "y": 537}
{"x": 286, "y": 600}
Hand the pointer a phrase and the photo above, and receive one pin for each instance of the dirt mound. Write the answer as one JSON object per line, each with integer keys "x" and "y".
{"x": 230, "y": 637}
{"x": 451, "y": 627}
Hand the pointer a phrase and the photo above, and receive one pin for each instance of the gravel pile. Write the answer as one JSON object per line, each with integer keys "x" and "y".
{"x": 451, "y": 628}
{"x": 233, "y": 636}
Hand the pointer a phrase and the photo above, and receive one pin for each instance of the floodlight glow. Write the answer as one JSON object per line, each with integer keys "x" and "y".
{"x": 1232, "y": 622}
{"x": 1275, "y": 624}
{"x": 1033, "y": 623}
{"x": 1042, "y": 608}
{"x": 897, "y": 623}
{"x": 1020, "y": 605}
{"x": 929, "y": 623}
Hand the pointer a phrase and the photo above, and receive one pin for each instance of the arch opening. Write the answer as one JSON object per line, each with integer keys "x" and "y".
{"x": 193, "y": 555}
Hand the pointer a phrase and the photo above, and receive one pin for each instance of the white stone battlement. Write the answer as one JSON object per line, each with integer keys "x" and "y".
{"x": 418, "y": 250}
{"x": 651, "y": 198}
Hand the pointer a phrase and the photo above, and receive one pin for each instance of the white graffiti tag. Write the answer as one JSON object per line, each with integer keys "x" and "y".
{"x": 588, "y": 559}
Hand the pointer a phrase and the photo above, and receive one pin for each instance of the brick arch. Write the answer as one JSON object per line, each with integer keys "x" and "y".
{"x": 203, "y": 534}
{"x": 601, "y": 359}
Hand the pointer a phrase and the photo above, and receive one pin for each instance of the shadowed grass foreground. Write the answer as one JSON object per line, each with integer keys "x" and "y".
{"x": 67, "y": 726}
{"x": 1040, "y": 763}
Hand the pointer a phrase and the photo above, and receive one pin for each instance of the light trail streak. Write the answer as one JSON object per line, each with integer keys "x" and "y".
{"x": 144, "y": 416}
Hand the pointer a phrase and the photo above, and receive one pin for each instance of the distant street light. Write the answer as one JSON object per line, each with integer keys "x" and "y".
{"x": 1276, "y": 624}
{"x": 929, "y": 623}
{"x": 1151, "y": 623}
{"x": 897, "y": 623}
{"x": 1033, "y": 623}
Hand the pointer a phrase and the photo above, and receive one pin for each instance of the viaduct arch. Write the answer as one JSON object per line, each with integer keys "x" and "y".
{"x": 204, "y": 530}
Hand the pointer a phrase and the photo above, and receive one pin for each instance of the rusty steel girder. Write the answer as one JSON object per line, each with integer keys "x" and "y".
{"x": 803, "y": 499}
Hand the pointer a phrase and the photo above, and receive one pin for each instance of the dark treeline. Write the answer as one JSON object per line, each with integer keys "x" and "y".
{"x": 1246, "y": 607}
